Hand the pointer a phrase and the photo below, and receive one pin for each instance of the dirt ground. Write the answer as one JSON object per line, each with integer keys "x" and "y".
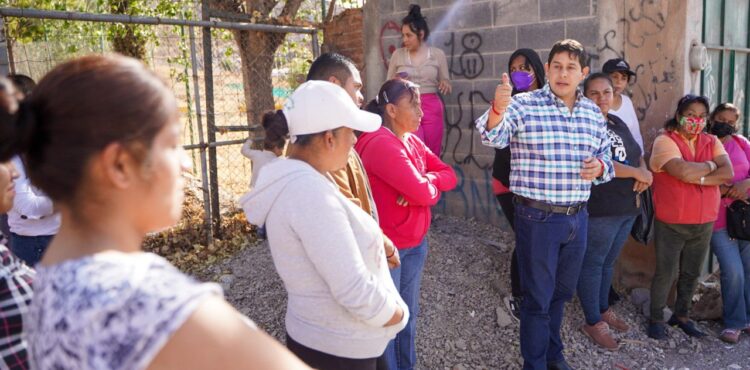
{"x": 464, "y": 323}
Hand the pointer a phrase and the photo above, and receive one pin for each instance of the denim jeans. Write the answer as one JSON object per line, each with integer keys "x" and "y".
{"x": 734, "y": 262}
{"x": 29, "y": 248}
{"x": 606, "y": 237}
{"x": 550, "y": 249}
{"x": 401, "y": 353}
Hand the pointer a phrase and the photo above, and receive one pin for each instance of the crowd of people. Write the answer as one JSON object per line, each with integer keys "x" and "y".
{"x": 343, "y": 191}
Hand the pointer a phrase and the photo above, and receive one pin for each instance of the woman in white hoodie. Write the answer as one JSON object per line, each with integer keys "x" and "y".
{"x": 343, "y": 308}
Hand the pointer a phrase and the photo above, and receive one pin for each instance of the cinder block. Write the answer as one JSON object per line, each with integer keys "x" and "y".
{"x": 385, "y": 6}
{"x": 473, "y": 15}
{"x": 540, "y": 35}
{"x": 501, "y": 63}
{"x": 586, "y": 31}
{"x": 561, "y": 9}
{"x": 499, "y": 39}
{"x": 516, "y": 12}
{"x": 403, "y": 6}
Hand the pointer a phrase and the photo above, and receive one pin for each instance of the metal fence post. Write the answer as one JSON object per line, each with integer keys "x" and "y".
{"x": 201, "y": 141}
{"x": 4, "y": 56}
{"x": 211, "y": 120}
{"x": 315, "y": 45}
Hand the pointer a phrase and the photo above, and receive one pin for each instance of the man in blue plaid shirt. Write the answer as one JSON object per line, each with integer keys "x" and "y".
{"x": 559, "y": 147}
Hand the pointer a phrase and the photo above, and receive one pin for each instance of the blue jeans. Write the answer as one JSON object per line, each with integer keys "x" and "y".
{"x": 401, "y": 352}
{"x": 550, "y": 249}
{"x": 734, "y": 262}
{"x": 29, "y": 248}
{"x": 606, "y": 237}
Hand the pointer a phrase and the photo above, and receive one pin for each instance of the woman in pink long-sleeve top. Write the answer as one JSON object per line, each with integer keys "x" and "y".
{"x": 407, "y": 179}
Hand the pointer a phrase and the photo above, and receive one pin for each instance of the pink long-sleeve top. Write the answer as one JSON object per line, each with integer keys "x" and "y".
{"x": 403, "y": 168}
{"x": 738, "y": 155}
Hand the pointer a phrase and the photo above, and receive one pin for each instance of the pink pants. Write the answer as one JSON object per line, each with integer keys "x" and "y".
{"x": 431, "y": 127}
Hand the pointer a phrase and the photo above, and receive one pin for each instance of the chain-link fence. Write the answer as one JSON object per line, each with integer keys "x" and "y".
{"x": 214, "y": 79}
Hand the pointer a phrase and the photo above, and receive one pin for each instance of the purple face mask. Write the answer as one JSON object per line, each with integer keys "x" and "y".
{"x": 522, "y": 80}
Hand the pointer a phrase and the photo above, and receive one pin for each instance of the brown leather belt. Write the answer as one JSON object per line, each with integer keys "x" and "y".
{"x": 566, "y": 210}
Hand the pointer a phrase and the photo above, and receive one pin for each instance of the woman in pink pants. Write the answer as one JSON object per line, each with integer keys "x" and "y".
{"x": 427, "y": 67}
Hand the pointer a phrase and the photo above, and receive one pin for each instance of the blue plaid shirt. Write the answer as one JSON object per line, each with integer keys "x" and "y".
{"x": 548, "y": 145}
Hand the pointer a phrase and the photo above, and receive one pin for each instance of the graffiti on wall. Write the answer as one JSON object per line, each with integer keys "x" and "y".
{"x": 475, "y": 198}
{"x": 640, "y": 37}
{"x": 470, "y": 59}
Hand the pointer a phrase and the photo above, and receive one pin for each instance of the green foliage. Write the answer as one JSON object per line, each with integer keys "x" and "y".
{"x": 71, "y": 37}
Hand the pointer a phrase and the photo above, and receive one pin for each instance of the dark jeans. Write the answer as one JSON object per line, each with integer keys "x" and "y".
{"x": 29, "y": 248}
{"x": 550, "y": 250}
{"x": 606, "y": 237}
{"x": 323, "y": 361}
{"x": 680, "y": 248}
{"x": 509, "y": 210}
{"x": 401, "y": 352}
{"x": 734, "y": 262}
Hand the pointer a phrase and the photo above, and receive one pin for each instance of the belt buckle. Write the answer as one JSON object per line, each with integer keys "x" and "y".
{"x": 570, "y": 210}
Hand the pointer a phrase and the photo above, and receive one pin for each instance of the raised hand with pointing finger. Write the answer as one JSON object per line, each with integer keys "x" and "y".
{"x": 503, "y": 93}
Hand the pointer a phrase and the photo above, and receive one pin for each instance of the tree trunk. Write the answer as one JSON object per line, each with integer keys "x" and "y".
{"x": 125, "y": 37}
{"x": 257, "y": 50}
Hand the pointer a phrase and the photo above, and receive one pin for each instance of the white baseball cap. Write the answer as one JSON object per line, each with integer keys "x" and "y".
{"x": 319, "y": 106}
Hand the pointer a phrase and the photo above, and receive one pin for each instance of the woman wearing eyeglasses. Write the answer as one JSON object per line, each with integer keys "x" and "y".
{"x": 688, "y": 165}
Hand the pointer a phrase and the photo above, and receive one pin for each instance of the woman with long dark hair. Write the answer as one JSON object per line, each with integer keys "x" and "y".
{"x": 427, "y": 67}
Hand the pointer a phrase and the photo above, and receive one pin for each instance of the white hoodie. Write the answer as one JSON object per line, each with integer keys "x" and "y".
{"x": 329, "y": 254}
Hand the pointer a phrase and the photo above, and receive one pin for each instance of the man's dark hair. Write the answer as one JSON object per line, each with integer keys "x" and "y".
{"x": 330, "y": 64}
{"x": 569, "y": 46}
{"x": 23, "y": 83}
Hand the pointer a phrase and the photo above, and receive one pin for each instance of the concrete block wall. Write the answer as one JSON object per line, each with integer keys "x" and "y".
{"x": 478, "y": 37}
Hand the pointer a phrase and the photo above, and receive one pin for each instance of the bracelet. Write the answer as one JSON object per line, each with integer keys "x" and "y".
{"x": 601, "y": 173}
{"x": 392, "y": 254}
{"x": 492, "y": 105}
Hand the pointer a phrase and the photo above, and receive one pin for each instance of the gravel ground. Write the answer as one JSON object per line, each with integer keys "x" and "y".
{"x": 463, "y": 322}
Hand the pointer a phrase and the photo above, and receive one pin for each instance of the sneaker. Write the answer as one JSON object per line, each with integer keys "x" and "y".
{"x": 657, "y": 330}
{"x": 513, "y": 304}
{"x": 688, "y": 327}
{"x": 747, "y": 329}
{"x": 614, "y": 322}
{"x": 730, "y": 335}
{"x": 599, "y": 333}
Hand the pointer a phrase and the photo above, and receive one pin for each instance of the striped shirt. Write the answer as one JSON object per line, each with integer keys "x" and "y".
{"x": 548, "y": 145}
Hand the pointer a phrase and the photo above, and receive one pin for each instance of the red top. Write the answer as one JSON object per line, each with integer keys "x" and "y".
{"x": 403, "y": 168}
{"x": 677, "y": 202}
